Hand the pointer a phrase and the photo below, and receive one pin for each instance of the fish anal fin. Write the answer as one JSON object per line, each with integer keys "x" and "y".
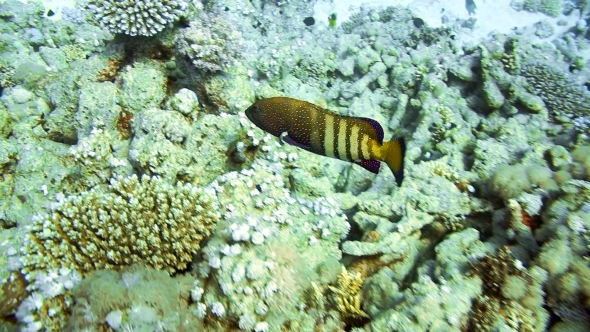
{"x": 370, "y": 165}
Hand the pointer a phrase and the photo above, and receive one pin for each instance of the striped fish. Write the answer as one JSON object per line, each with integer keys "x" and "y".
{"x": 307, "y": 126}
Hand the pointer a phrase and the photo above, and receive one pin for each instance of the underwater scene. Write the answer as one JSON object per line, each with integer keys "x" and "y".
{"x": 295, "y": 165}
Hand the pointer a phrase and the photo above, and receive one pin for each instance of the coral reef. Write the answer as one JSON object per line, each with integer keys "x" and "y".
{"x": 146, "y": 200}
{"x": 49, "y": 299}
{"x": 512, "y": 296}
{"x": 549, "y": 7}
{"x": 347, "y": 294}
{"x": 440, "y": 298}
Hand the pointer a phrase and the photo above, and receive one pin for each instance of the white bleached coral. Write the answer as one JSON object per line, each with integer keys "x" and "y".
{"x": 263, "y": 284}
{"x": 47, "y": 293}
{"x": 144, "y": 18}
{"x": 209, "y": 42}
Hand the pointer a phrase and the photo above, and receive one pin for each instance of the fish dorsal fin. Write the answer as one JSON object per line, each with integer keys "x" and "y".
{"x": 370, "y": 165}
{"x": 376, "y": 126}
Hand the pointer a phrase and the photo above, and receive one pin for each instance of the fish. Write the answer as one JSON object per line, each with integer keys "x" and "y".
{"x": 314, "y": 129}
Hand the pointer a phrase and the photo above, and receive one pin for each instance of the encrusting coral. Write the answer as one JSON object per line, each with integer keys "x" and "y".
{"x": 512, "y": 297}
{"x": 131, "y": 221}
{"x": 134, "y": 299}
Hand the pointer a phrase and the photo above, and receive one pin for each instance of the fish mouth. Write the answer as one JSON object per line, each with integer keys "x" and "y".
{"x": 251, "y": 112}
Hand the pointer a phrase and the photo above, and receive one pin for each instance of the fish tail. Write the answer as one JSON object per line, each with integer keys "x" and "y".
{"x": 393, "y": 155}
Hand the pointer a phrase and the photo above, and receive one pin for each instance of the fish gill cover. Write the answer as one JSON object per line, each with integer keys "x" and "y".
{"x": 135, "y": 194}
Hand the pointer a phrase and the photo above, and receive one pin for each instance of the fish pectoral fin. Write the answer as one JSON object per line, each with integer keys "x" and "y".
{"x": 370, "y": 165}
{"x": 285, "y": 138}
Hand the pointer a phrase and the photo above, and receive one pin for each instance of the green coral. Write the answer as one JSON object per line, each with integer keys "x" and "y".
{"x": 549, "y": 7}
{"x": 6, "y": 75}
{"x": 509, "y": 181}
{"x": 313, "y": 69}
{"x": 582, "y": 4}
{"x": 558, "y": 94}
{"x": 74, "y": 52}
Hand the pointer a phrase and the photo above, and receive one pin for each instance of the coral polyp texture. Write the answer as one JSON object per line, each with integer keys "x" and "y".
{"x": 137, "y": 18}
{"x": 130, "y": 221}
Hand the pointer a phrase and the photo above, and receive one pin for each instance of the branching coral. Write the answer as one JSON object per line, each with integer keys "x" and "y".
{"x": 347, "y": 294}
{"x": 145, "y": 18}
{"x": 130, "y": 221}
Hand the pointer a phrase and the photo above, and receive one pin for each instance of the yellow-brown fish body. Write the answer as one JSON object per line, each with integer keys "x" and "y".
{"x": 358, "y": 140}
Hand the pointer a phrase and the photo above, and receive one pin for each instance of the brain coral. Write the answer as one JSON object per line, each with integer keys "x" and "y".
{"x": 131, "y": 221}
{"x": 145, "y": 18}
